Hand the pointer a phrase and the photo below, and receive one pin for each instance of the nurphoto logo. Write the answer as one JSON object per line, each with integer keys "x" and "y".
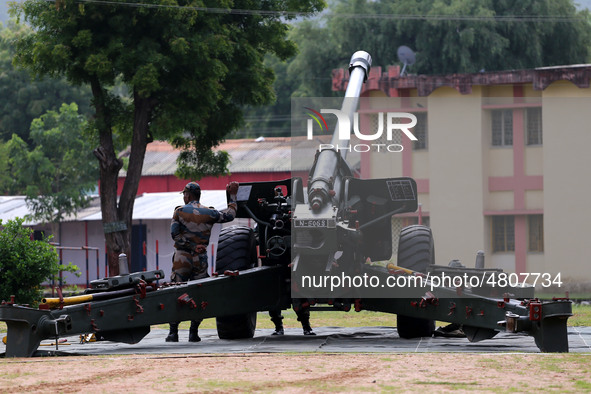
{"x": 393, "y": 122}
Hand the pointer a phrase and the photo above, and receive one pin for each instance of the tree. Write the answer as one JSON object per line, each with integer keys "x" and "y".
{"x": 25, "y": 263}
{"x": 189, "y": 67}
{"x": 306, "y": 74}
{"x": 463, "y": 36}
{"x": 59, "y": 171}
{"x": 271, "y": 120}
{"x": 21, "y": 98}
{"x": 5, "y": 178}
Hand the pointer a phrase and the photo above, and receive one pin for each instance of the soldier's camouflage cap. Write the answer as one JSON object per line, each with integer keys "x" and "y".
{"x": 192, "y": 187}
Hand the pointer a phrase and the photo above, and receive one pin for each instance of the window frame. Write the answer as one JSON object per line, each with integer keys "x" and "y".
{"x": 534, "y": 137}
{"x": 535, "y": 233}
{"x": 422, "y": 144}
{"x": 503, "y": 226}
{"x": 506, "y": 131}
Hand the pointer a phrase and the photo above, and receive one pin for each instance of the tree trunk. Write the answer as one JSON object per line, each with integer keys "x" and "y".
{"x": 117, "y": 217}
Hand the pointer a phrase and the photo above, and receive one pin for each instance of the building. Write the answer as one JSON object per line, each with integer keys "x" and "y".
{"x": 251, "y": 160}
{"x": 501, "y": 162}
{"x": 82, "y": 240}
{"x": 258, "y": 160}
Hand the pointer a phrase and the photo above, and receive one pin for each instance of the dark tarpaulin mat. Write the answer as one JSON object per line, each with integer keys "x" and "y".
{"x": 327, "y": 340}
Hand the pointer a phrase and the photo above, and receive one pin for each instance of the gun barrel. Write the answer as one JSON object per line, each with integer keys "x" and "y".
{"x": 358, "y": 71}
{"x": 325, "y": 176}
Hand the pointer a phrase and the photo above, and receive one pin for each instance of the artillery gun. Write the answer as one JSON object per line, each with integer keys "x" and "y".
{"x": 329, "y": 231}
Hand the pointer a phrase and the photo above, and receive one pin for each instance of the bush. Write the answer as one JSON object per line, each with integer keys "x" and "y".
{"x": 25, "y": 263}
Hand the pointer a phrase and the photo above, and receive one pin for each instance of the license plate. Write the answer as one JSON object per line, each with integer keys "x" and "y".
{"x": 313, "y": 223}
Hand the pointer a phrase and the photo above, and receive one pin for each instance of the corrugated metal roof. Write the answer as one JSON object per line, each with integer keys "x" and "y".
{"x": 276, "y": 154}
{"x": 265, "y": 156}
{"x": 146, "y": 206}
{"x": 160, "y": 163}
{"x": 161, "y": 205}
{"x": 12, "y": 207}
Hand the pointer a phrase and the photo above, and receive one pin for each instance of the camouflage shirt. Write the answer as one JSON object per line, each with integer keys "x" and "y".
{"x": 191, "y": 223}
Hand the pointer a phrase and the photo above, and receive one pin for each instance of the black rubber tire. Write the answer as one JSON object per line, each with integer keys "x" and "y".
{"x": 416, "y": 251}
{"x": 237, "y": 326}
{"x": 415, "y": 248}
{"x": 236, "y": 251}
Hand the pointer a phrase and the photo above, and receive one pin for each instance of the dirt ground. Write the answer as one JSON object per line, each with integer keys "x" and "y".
{"x": 298, "y": 373}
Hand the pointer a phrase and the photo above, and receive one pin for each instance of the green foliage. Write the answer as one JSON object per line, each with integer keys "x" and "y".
{"x": 22, "y": 98}
{"x": 188, "y": 66}
{"x": 463, "y": 36}
{"x": 195, "y": 70}
{"x": 25, "y": 263}
{"x": 448, "y": 36}
{"x": 59, "y": 171}
{"x": 9, "y": 184}
{"x": 5, "y": 178}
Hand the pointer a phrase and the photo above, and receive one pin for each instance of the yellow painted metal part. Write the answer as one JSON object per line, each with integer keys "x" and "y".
{"x": 392, "y": 267}
{"x": 54, "y": 302}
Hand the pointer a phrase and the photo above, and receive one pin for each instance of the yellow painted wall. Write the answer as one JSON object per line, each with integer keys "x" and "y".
{"x": 497, "y": 91}
{"x": 460, "y": 159}
{"x": 534, "y": 159}
{"x": 567, "y": 180}
{"x": 500, "y": 201}
{"x": 386, "y": 165}
{"x": 456, "y": 175}
{"x": 534, "y": 199}
{"x": 500, "y": 160}
{"x": 420, "y": 164}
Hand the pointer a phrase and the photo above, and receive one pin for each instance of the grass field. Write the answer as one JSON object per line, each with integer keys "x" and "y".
{"x": 582, "y": 317}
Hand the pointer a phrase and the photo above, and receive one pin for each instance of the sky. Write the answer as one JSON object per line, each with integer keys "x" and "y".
{"x": 3, "y": 10}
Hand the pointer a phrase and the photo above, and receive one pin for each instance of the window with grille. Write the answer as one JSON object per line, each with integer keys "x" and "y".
{"x": 535, "y": 224}
{"x": 420, "y": 131}
{"x": 397, "y": 225}
{"x": 396, "y": 134}
{"x": 503, "y": 233}
{"x": 533, "y": 119}
{"x": 502, "y": 127}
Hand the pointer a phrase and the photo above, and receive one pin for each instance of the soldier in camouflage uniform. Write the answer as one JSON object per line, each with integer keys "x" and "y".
{"x": 190, "y": 229}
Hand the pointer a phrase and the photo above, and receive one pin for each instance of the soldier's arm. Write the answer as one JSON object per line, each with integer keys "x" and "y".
{"x": 228, "y": 214}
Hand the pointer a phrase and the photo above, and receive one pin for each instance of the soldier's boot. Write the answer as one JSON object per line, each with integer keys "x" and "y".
{"x": 308, "y": 330}
{"x": 193, "y": 331}
{"x": 305, "y": 320}
{"x": 173, "y": 334}
{"x": 278, "y": 321}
